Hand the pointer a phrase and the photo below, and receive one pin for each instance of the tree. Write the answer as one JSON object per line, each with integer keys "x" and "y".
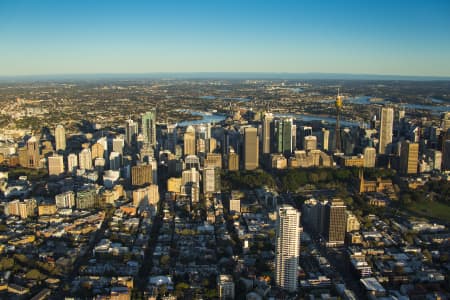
{"x": 34, "y": 275}
{"x": 164, "y": 260}
{"x": 6, "y": 263}
{"x": 313, "y": 178}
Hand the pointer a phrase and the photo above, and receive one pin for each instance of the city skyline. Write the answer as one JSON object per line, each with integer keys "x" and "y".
{"x": 401, "y": 38}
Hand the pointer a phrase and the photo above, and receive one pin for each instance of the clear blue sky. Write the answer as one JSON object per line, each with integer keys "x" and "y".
{"x": 359, "y": 36}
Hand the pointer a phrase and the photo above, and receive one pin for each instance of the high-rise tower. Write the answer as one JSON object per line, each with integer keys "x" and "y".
{"x": 337, "y": 131}
{"x": 131, "y": 131}
{"x": 287, "y": 247}
{"x": 267, "y": 132}
{"x": 60, "y": 138}
{"x": 251, "y": 158}
{"x": 335, "y": 222}
{"x": 386, "y": 130}
{"x": 149, "y": 127}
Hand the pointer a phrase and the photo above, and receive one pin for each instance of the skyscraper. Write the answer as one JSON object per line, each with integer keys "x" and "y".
{"x": 325, "y": 139}
{"x": 149, "y": 127}
{"x": 310, "y": 143}
{"x": 115, "y": 161}
{"x": 335, "y": 222}
{"x": 141, "y": 175}
{"x": 446, "y": 155}
{"x": 97, "y": 150}
{"x": 369, "y": 157}
{"x": 85, "y": 159}
{"x": 337, "y": 130}
{"x": 267, "y": 132}
{"x": 211, "y": 180}
{"x": 409, "y": 156}
{"x": 386, "y": 130}
{"x": 189, "y": 141}
{"x": 251, "y": 158}
{"x": 287, "y": 247}
{"x": 233, "y": 161}
{"x": 60, "y": 138}
{"x": 33, "y": 153}
{"x": 118, "y": 144}
{"x": 131, "y": 132}
{"x": 283, "y": 135}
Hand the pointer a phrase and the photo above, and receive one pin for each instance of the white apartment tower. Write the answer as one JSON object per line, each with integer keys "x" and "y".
{"x": 60, "y": 138}
{"x": 287, "y": 247}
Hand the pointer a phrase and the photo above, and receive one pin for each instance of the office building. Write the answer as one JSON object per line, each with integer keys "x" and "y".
{"x": 211, "y": 180}
{"x": 213, "y": 160}
{"x": 337, "y": 130}
{"x": 145, "y": 196}
{"x": 267, "y": 131}
{"x": 303, "y": 132}
{"x": 446, "y": 155}
{"x": 32, "y": 153}
{"x": 131, "y": 132}
{"x": 435, "y": 159}
{"x": 287, "y": 248}
{"x": 65, "y": 200}
{"x": 55, "y": 165}
{"x": 115, "y": 160}
{"x": 141, "y": 175}
{"x": 174, "y": 185}
{"x": 310, "y": 143}
{"x": 87, "y": 199}
{"x": 283, "y": 135}
{"x": 189, "y": 141}
{"x": 85, "y": 159}
{"x": 325, "y": 137}
{"x": 149, "y": 127}
{"x": 233, "y": 161}
{"x": 251, "y": 158}
{"x": 211, "y": 145}
{"x": 200, "y": 146}
{"x": 369, "y": 154}
{"x": 335, "y": 222}
{"x": 190, "y": 176}
{"x": 225, "y": 286}
{"x": 386, "y": 130}
{"x": 409, "y": 157}
{"x": 118, "y": 144}
{"x": 192, "y": 161}
{"x": 234, "y": 205}
{"x": 97, "y": 150}
{"x": 353, "y": 223}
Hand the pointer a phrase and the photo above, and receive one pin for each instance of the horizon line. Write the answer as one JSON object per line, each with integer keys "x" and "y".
{"x": 304, "y": 75}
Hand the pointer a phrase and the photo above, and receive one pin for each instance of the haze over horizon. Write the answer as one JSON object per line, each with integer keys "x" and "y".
{"x": 406, "y": 38}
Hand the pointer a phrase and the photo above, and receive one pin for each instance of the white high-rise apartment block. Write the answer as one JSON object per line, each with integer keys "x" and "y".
{"x": 60, "y": 138}
{"x": 287, "y": 247}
